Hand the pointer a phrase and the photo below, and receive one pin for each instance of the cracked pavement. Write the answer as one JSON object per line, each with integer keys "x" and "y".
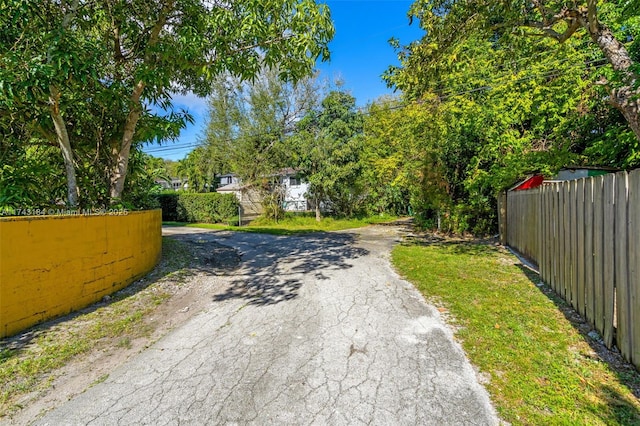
{"x": 312, "y": 329}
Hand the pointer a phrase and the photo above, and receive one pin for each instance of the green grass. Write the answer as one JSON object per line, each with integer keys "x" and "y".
{"x": 293, "y": 224}
{"x": 29, "y": 367}
{"x": 542, "y": 369}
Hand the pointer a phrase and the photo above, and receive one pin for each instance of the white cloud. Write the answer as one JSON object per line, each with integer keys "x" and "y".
{"x": 196, "y": 105}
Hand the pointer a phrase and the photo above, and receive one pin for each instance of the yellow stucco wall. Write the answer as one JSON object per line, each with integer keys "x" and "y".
{"x": 53, "y": 265}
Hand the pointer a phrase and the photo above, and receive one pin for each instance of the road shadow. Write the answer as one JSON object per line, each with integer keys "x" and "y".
{"x": 271, "y": 265}
{"x": 207, "y": 254}
{"x": 454, "y": 245}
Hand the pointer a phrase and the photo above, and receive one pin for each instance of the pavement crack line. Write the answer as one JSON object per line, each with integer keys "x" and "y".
{"x": 313, "y": 329}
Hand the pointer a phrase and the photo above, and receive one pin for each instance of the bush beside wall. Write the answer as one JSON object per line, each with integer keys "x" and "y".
{"x": 169, "y": 205}
{"x": 210, "y": 207}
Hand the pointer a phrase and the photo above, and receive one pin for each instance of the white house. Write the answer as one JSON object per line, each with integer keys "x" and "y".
{"x": 227, "y": 179}
{"x": 295, "y": 191}
{"x": 176, "y": 184}
{"x": 295, "y": 198}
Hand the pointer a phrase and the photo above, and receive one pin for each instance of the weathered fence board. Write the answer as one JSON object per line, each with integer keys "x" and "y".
{"x": 608, "y": 270}
{"x": 560, "y": 243}
{"x": 574, "y": 243}
{"x": 634, "y": 264}
{"x": 623, "y": 294}
{"x": 588, "y": 250}
{"x": 580, "y": 247}
{"x": 598, "y": 255}
{"x": 556, "y": 238}
{"x": 585, "y": 237}
{"x": 548, "y": 236}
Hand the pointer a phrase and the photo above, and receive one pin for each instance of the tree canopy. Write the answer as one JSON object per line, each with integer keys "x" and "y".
{"x": 327, "y": 149}
{"x": 249, "y": 123}
{"x": 604, "y": 28}
{"x": 493, "y": 91}
{"x": 88, "y": 76}
{"x": 510, "y": 89}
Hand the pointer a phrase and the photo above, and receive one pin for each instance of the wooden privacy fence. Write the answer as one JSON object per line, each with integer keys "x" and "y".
{"x": 584, "y": 235}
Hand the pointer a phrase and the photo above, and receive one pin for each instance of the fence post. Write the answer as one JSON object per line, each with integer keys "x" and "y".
{"x": 502, "y": 217}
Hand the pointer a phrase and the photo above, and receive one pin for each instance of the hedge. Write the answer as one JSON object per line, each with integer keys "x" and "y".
{"x": 210, "y": 207}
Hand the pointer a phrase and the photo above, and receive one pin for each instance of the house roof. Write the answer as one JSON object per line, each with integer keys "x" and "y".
{"x": 606, "y": 169}
{"x": 232, "y": 187}
{"x": 529, "y": 183}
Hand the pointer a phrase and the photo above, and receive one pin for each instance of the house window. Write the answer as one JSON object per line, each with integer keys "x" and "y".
{"x": 294, "y": 181}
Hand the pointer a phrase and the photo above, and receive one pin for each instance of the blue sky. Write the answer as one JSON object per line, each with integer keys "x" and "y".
{"x": 360, "y": 53}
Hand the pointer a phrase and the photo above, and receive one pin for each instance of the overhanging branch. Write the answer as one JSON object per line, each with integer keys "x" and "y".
{"x": 547, "y": 29}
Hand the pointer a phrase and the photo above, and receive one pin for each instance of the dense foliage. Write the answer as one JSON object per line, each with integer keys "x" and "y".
{"x": 95, "y": 79}
{"x": 258, "y": 129}
{"x": 484, "y": 117}
{"x": 489, "y": 96}
{"x": 326, "y": 150}
{"x": 487, "y": 103}
{"x": 198, "y": 207}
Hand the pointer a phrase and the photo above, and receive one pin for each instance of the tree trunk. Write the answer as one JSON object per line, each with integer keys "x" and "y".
{"x": 318, "y": 215}
{"x": 121, "y": 156}
{"x": 121, "y": 153}
{"x": 62, "y": 136}
{"x": 624, "y": 98}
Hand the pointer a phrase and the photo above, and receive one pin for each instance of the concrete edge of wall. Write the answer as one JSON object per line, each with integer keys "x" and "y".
{"x": 53, "y": 265}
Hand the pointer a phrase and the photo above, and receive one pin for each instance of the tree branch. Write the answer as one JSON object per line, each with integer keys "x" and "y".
{"x": 592, "y": 16}
{"x": 239, "y": 49}
{"x": 70, "y": 14}
{"x": 548, "y": 31}
{"x": 544, "y": 12}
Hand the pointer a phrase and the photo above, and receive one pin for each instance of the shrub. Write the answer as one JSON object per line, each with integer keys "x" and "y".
{"x": 169, "y": 205}
{"x": 209, "y": 207}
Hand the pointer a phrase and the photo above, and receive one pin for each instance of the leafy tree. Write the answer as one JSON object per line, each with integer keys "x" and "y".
{"x": 99, "y": 65}
{"x": 30, "y": 174}
{"x": 328, "y": 145}
{"x": 170, "y": 167}
{"x": 141, "y": 189}
{"x": 402, "y": 158}
{"x": 249, "y": 123}
{"x": 43, "y": 51}
{"x": 448, "y": 23}
{"x": 195, "y": 169}
{"x": 498, "y": 114}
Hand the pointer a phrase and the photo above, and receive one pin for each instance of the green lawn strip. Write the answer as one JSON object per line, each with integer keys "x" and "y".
{"x": 26, "y": 367}
{"x": 292, "y": 224}
{"x": 542, "y": 370}
{"x": 172, "y": 223}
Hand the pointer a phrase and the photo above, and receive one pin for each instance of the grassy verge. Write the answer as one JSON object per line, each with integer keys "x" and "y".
{"x": 542, "y": 368}
{"x": 293, "y": 224}
{"x": 28, "y": 359}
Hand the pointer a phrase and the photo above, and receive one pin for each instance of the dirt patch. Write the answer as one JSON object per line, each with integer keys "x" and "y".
{"x": 189, "y": 277}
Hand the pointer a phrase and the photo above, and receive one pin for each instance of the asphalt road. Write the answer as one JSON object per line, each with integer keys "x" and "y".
{"x": 314, "y": 329}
